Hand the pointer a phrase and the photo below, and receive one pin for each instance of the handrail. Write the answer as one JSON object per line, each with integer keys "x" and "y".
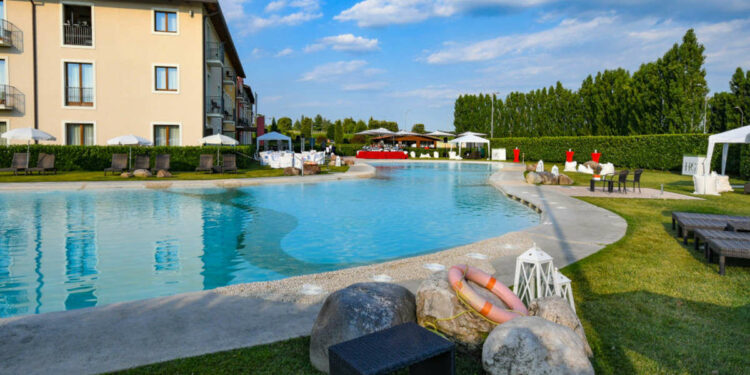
{"x": 77, "y": 35}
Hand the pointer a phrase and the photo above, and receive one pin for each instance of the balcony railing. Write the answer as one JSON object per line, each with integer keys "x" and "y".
{"x": 6, "y": 33}
{"x": 214, "y": 106}
{"x": 215, "y": 53}
{"x": 230, "y": 77}
{"x": 9, "y": 97}
{"x": 229, "y": 111}
{"x": 77, "y": 35}
{"x": 79, "y": 96}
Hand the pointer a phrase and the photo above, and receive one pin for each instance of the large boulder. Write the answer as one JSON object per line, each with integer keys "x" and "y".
{"x": 163, "y": 173}
{"x": 126, "y": 175}
{"x": 596, "y": 167}
{"x": 534, "y": 345}
{"x": 355, "y": 311}
{"x": 311, "y": 169}
{"x": 438, "y": 307}
{"x": 557, "y": 310}
{"x": 548, "y": 178}
{"x": 142, "y": 173}
{"x": 533, "y": 178}
{"x": 291, "y": 171}
{"x": 564, "y": 180}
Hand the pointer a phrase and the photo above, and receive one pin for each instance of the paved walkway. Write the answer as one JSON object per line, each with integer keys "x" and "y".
{"x": 645, "y": 193}
{"x": 129, "y": 334}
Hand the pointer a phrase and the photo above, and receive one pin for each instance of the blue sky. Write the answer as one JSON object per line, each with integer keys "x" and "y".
{"x": 407, "y": 60}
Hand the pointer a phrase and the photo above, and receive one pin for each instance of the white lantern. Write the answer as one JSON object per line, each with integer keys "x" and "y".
{"x": 563, "y": 288}
{"x": 534, "y": 275}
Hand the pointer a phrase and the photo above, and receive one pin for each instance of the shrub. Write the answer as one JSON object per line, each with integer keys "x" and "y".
{"x": 358, "y": 139}
{"x": 96, "y": 158}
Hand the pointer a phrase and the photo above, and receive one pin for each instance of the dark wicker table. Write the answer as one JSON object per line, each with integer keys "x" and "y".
{"x": 405, "y": 345}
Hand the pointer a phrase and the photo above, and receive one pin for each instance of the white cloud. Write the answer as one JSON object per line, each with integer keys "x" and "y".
{"x": 344, "y": 42}
{"x": 332, "y": 70}
{"x": 368, "y": 86}
{"x": 258, "y": 53}
{"x": 369, "y": 13}
{"x": 430, "y": 93}
{"x": 284, "y": 52}
{"x": 300, "y": 11}
{"x": 275, "y": 6}
{"x": 233, "y": 9}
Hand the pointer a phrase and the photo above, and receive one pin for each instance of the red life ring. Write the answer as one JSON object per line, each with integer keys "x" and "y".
{"x": 457, "y": 276}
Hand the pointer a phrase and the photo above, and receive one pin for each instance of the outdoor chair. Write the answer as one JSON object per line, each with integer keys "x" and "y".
{"x": 206, "y": 163}
{"x": 623, "y": 180}
{"x": 20, "y": 162}
{"x": 161, "y": 163}
{"x": 45, "y": 163}
{"x": 228, "y": 163}
{"x": 119, "y": 164}
{"x": 637, "y": 179}
{"x": 142, "y": 162}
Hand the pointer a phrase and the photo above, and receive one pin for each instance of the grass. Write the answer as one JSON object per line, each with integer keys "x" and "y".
{"x": 649, "y": 305}
{"x": 255, "y": 172}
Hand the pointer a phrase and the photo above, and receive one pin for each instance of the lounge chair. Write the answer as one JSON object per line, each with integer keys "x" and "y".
{"x": 637, "y": 179}
{"x": 119, "y": 164}
{"x": 228, "y": 163}
{"x": 727, "y": 248}
{"x": 687, "y": 222}
{"x": 142, "y": 162}
{"x": 206, "y": 163}
{"x": 707, "y": 234}
{"x": 19, "y": 163}
{"x": 45, "y": 163}
{"x": 161, "y": 163}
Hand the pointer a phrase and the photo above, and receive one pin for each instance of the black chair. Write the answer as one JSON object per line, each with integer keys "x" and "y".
{"x": 637, "y": 179}
{"x": 622, "y": 180}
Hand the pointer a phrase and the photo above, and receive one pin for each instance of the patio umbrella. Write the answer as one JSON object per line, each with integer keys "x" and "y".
{"x": 129, "y": 140}
{"x": 438, "y": 133}
{"x": 28, "y": 135}
{"x": 471, "y": 133}
{"x": 219, "y": 140}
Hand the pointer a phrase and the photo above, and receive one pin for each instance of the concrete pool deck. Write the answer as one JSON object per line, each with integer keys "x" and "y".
{"x": 130, "y": 334}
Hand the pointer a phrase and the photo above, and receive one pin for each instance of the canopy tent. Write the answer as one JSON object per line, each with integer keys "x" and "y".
{"x": 439, "y": 133}
{"x": 129, "y": 140}
{"x": 739, "y": 135}
{"x": 28, "y": 135}
{"x": 470, "y": 133}
{"x": 273, "y": 136}
{"x": 378, "y": 131}
{"x": 470, "y": 138}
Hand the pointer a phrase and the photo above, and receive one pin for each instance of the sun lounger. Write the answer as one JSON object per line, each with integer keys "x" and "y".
{"x": 690, "y": 224}
{"x": 228, "y": 163}
{"x": 45, "y": 163}
{"x": 142, "y": 162}
{"x": 206, "y": 163}
{"x": 727, "y": 248}
{"x": 706, "y": 234}
{"x": 19, "y": 163}
{"x": 161, "y": 163}
{"x": 677, "y": 215}
{"x": 119, "y": 164}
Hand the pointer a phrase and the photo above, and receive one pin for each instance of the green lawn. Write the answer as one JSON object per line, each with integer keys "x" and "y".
{"x": 254, "y": 172}
{"x": 649, "y": 304}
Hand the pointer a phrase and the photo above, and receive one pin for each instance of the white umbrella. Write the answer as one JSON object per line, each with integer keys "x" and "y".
{"x": 439, "y": 133}
{"x": 470, "y": 133}
{"x": 378, "y": 131}
{"x": 129, "y": 140}
{"x": 28, "y": 135}
{"x": 219, "y": 140}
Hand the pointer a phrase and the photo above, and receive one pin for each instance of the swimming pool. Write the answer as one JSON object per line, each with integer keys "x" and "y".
{"x": 69, "y": 250}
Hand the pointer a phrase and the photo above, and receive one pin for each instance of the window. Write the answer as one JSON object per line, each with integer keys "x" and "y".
{"x": 166, "y": 78}
{"x": 166, "y": 135}
{"x": 165, "y": 22}
{"x": 77, "y": 25}
{"x": 79, "y": 134}
{"x": 3, "y": 129}
{"x": 79, "y": 84}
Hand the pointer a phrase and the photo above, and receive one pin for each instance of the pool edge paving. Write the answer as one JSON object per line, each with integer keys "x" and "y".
{"x": 130, "y": 334}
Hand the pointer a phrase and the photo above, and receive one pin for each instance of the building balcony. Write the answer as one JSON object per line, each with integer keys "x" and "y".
{"x": 229, "y": 116}
{"x": 6, "y": 33}
{"x": 215, "y": 54}
{"x": 214, "y": 106}
{"x": 9, "y": 96}
{"x": 230, "y": 77}
{"x": 243, "y": 122}
{"x": 77, "y": 35}
{"x": 79, "y": 96}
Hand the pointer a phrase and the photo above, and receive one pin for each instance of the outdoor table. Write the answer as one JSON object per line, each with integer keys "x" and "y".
{"x": 381, "y": 155}
{"x": 392, "y": 349}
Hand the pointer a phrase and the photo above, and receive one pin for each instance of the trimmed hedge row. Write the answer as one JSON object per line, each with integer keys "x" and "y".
{"x": 96, "y": 158}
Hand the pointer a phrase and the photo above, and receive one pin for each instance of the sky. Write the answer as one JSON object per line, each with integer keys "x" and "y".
{"x": 408, "y": 60}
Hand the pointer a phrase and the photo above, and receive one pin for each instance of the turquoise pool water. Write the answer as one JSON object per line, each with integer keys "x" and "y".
{"x": 69, "y": 250}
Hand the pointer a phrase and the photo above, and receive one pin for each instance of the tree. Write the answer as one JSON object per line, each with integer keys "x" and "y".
{"x": 274, "y": 127}
{"x": 297, "y": 125}
{"x": 339, "y": 133}
{"x": 349, "y": 124}
{"x": 285, "y": 124}
{"x": 418, "y": 128}
{"x": 361, "y": 126}
{"x": 331, "y": 130}
{"x": 306, "y": 129}
{"x": 318, "y": 123}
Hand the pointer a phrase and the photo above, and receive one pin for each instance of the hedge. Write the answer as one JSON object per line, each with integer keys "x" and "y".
{"x": 96, "y": 158}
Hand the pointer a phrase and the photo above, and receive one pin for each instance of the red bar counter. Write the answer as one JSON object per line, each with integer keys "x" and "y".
{"x": 381, "y": 155}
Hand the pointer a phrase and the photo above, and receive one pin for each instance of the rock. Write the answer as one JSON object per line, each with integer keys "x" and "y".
{"x": 533, "y": 178}
{"x": 533, "y": 345}
{"x": 126, "y": 175}
{"x": 291, "y": 171}
{"x": 163, "y": 174}
{"x": 437, "y": 303}
{"x": 349, "y": 162}
{"x": 548, "y": 178}
{"x": 564, "y": 180}
{"x": 142, "y": 173}
{"x": 355, "y": 311}
{"x": 530, "y": 167}
{"x": 596, "y": 167}
{"x": 311, "y": 169}
{"x": 332, "y": 163}
{"x": 557, "y": 310}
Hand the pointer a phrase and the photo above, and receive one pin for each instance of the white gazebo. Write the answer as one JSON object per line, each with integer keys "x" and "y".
{"x": 739, "y": 135}
{"x": 272, "y": 136}
{"x": 469, "y": 139}
{"x": 470, "y": 133}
